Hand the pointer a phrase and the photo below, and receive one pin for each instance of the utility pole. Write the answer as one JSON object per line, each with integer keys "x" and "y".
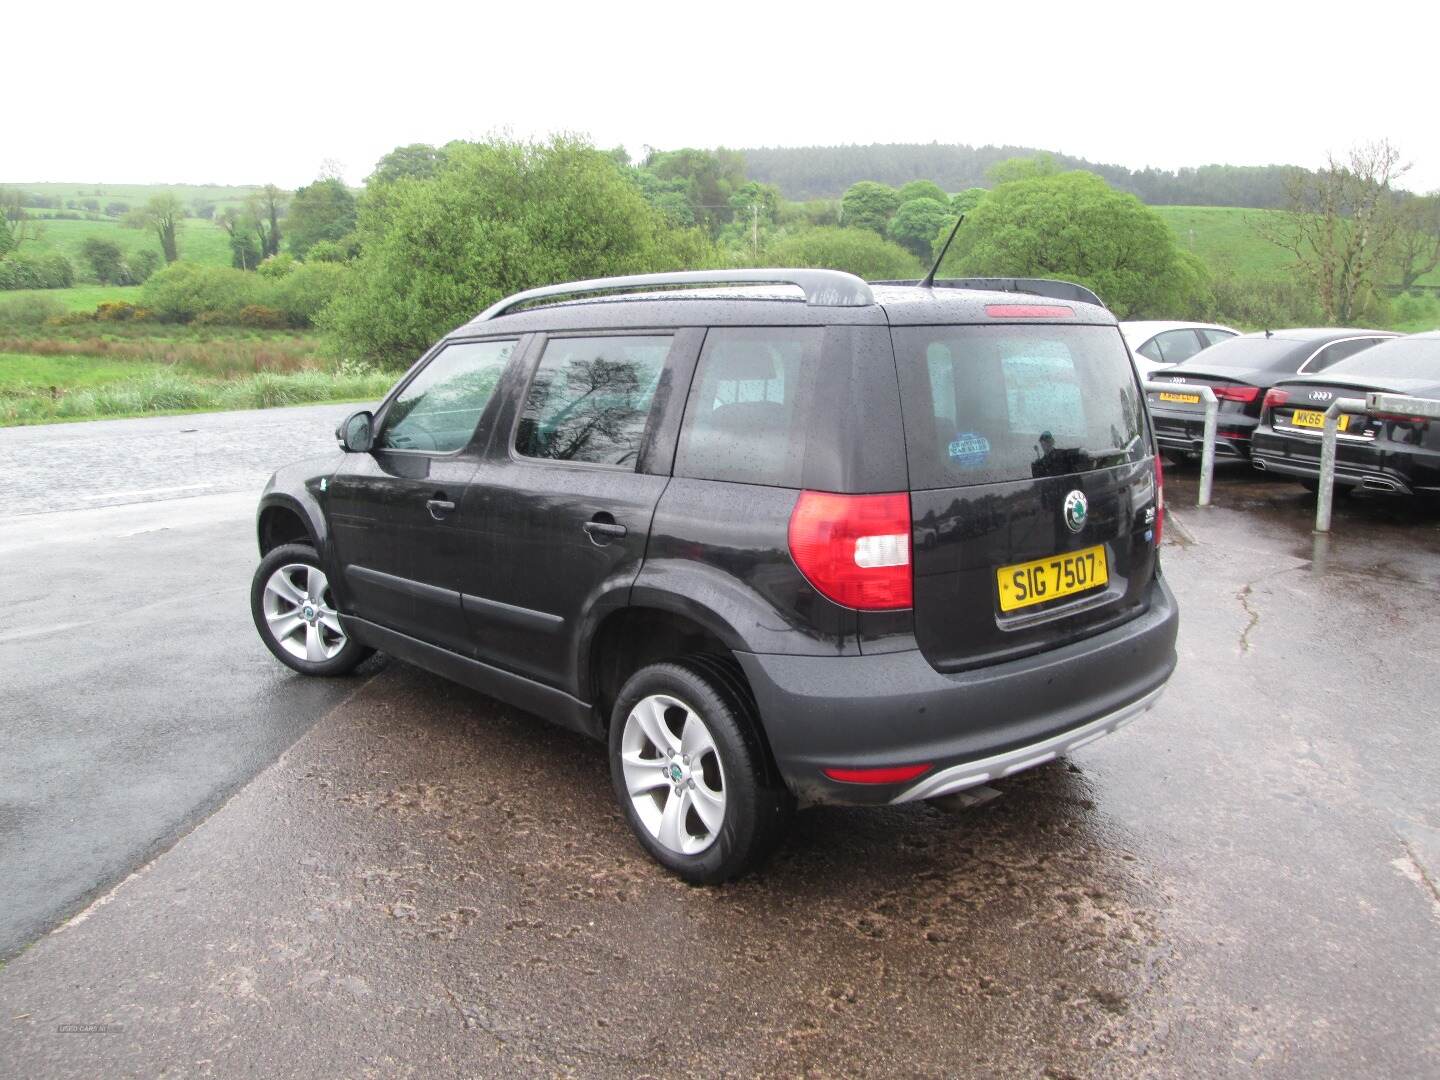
{"x": 755, "y": 231}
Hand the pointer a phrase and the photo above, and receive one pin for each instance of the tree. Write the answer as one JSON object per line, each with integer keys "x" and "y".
{"x": 497, "y": 217}
{"x": 418, "y": 161}
{"x": 1075, "y": 226}
{"x": 923, "y": 189}
{"x": 324, "y": 210}
{"x": 966, "y": 200}
{"x": 16, "y": 226}
{"x": 1417, "y": 243}
{"x": 915, "y": 224}
{"x": 868, "y": 205}
{"x": 117, "y": 209}
{"x": 859, "y": 251}
{"x": 707, "y": 177}
{"x": 243, "y": 230}
{"x": 1022, "y": 168}
{"x": 203, "y": 208}
{"x": 265, "y": 209}
{"x": 106, "y": 259}
{"x": 163, "y": 215}
{"x": 1341, "y": 226}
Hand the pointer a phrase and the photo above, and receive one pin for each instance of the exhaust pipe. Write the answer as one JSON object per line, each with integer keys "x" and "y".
{"x": 1259, "y": 463}
{"x": 1378, "y": 483}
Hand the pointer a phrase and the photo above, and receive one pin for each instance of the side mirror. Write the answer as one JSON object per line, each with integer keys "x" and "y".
{"x": 356, "y": 432}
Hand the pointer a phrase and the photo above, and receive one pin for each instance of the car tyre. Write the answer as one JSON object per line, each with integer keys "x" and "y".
{"x": 294, "y": 612}
{"x": 690, "y": 771}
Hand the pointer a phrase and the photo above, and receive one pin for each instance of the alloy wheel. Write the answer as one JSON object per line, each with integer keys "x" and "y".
{"x": 673, "y": 774}
{"x": 300, "y": 613}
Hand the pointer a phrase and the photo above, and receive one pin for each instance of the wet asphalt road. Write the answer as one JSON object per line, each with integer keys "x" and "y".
{"x": 136, "y": 694}
{"x": 1241, "y": 883}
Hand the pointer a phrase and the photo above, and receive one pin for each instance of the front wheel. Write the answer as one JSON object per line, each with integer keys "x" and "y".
{"x": 294, "y": 610}
{"x": 690, "y": 772}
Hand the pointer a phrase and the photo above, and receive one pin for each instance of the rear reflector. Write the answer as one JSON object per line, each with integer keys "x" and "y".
{"x": 855, "y": 549}
{"x": 895, "y": 774}
{"x": 1029, "y": 311}
{"x": 1159, "y": 500}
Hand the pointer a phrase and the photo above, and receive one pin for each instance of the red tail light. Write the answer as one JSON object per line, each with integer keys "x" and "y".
{"x": 1242, "y": 394}
{"x": 855, "y": 549}
{"x": 897, "y": 774}
{"x": 1159, "y": 500}
{"x": 1275, "y": 397}
{"x": 1029, "y": 311}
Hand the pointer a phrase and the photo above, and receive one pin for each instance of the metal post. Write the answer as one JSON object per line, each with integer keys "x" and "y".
{"x": 1326, "y": 495}
{"x": 1212, "y": 417}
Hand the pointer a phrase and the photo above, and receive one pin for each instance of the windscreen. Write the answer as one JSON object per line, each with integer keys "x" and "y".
{"x": 1256, "y": 354}
{"x": 1002, "y": 402}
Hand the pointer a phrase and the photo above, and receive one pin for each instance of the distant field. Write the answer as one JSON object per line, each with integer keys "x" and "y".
{"x": 136, "y": 194}
{"x": 1225, "y": 240}
{"x": 200, "y": 241}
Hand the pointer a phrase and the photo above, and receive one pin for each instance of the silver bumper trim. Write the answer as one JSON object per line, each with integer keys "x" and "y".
{"x": 960, "y": 777}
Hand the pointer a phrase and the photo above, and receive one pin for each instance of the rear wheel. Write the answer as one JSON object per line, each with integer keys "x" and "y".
{"x": 690, "y": 772}
{"x": 294, "y": 611}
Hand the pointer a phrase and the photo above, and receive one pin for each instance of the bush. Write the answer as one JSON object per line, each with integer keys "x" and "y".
{"x": 1261, "y": 303}
{"x": 183, "y": 291}
{"x": 277, "y": 266}
{"x": 36, "y": 270}
{"x": 142, "y": 265}
{"x": 260, "y": 317}
{"x": 342, "y": 250}
{"x": 303, "y": 294}
{"x": 1415, "y": 312}
{"x": 859, "y": 251}
{"x": 28, "y": 311}
{"x": 122, "y": 311}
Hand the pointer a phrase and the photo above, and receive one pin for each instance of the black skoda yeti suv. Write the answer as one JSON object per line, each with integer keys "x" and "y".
{"x": 777, "y": 537}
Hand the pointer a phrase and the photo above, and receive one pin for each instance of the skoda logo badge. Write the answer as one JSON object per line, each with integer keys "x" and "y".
{"x": 675, "y": 773}
{"x": 1076, "y": 510}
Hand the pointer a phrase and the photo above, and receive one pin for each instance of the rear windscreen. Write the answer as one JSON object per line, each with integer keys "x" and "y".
{"x": 987, "y": 404}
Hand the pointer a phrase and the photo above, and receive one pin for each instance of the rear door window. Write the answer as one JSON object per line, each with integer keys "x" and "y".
{"x": 741, "y": 421}
{"x": 987, "y": 404}
{"x": 589, "y": 400}
{"x": 1214, "y": 337}
{"x": 1340, "y": 350}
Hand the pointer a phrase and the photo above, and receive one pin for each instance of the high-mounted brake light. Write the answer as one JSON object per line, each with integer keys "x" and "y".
{"x": 1275, "y": 397}
{"x": 1159, "y": 501}
{"x": 855, "y": 549}
{"x": 1029, "y": 311}
{"x": 895, "y": 774}
{"x": 1242, "y": 394}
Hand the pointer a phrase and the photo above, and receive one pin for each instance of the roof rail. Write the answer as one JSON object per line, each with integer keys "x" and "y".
{"x": 1049, "y": 287}
{"x": 822, "y": 288}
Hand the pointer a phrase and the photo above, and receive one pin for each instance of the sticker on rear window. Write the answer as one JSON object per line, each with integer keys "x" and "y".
{"x": 969, "y": 451}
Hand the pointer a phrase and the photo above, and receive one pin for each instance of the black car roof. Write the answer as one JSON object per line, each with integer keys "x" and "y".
{"x": 774, "y": 305}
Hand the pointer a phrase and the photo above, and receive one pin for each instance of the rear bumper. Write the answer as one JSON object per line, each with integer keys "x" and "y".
{"x": 1185, "y": 432}
{"x": 1359, "y": 464}
{"x": 891, "y": 709}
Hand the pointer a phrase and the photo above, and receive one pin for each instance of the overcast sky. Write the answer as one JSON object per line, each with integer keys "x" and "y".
{"x": 267, "y": 92}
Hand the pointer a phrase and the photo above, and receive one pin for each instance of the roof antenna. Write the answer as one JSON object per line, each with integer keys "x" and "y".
{"x": 928, "y": 282}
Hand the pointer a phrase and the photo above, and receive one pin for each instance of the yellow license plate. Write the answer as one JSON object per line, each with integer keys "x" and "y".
{"x": 1183, "y": 399}
{"x": 1024, "y": 584}
{"x": 1312, "y": 419}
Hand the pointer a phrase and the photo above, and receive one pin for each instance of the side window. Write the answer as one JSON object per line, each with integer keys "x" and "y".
{"x": 440, "y": 408}
{"x": 590, "y": 399}
{"x": 1151, "y": 351}
{"x": 1333, "y": 354}
{"x": 1177, "y": 345}
{"x": 1214, "y": 337}
{"x": 742, "y": 421}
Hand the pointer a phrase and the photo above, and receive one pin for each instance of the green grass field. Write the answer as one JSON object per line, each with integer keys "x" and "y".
{"x": 1225, "y": 239}
{"x": 137, "y": 194}
{"x": 200, "y": 241}
{"x": 81, "y": 297}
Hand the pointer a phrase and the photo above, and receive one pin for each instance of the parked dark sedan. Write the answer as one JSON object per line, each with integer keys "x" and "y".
{"x": 1239, "y": 371}
{"x": 1383, "y": 452}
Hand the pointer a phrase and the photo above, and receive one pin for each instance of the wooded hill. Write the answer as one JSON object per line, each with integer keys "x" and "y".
{"x": 815, "y": 172}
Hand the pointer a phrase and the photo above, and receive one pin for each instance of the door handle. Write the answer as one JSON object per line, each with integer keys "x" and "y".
{"x": 439, "y": 508}
{"x": 607, "y": 529}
